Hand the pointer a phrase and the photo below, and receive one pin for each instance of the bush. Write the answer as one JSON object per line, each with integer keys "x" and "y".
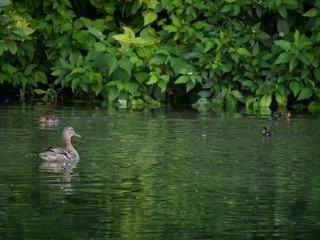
{"x": 228, "y": 53}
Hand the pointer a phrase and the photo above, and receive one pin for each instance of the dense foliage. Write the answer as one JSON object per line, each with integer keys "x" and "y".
{"x": 216, "y": 53}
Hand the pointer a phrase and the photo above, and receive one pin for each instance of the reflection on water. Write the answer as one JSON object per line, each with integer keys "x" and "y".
{"x": 158, "y": 175}
{"x": 65, "y": 169}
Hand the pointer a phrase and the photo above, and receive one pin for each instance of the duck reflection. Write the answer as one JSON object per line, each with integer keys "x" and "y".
{"x": 66, "y": 170}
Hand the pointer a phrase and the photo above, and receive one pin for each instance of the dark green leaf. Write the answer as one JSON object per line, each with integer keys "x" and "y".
{"x": 112, "y": 94}
{"x": 306, "y": 93}
{"x": 282, "y": 26}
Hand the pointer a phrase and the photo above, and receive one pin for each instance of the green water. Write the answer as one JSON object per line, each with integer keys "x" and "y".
{"x": 159, "y": 175}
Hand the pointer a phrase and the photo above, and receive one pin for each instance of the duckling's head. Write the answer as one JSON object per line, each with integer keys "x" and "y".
{"x": 266, "y": 132}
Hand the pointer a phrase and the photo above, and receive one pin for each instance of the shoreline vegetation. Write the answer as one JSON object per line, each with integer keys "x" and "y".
{"x": 212, "y": 54}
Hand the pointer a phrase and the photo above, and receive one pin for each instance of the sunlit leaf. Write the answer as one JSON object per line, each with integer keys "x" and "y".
{"x": 243, "y": 51}
{"x": 281, "y": 99}
{"x": 170, "y": 28}
{"x": 199, "y": 25}
{"x": 78, "y": 70}
{"x": 75, "y": 83}
{"x": 182, "y": 79}
{"x": 175, "y": 20}
{"x": 266, "y": 100}
{"x": 313, "y": 12}
{"x": 285, "y": 45}
{"x": 283, "y": 58}
{"x": 238, "y": 95}
{"x": 153, "y": 79}
{"x": 163, "y": 85}
{"x": 149, "y": 17}
{"x": 12, "y": 46}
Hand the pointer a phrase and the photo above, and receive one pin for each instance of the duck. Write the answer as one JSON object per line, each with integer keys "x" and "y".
{"x": 266, "y": 132}
{"x": 68, "y": 153}
{"x": 277, "y": 116}
{"x": 50, "y": 119}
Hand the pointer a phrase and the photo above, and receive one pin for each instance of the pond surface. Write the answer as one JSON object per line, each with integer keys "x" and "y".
{"x": 159, "y": 175}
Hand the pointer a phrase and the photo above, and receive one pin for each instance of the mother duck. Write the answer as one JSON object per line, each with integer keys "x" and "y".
{"x": 63, "y": 154}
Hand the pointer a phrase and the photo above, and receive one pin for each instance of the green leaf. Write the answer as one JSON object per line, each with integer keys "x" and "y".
{"x": 153, "y": 79}
{"x": 175, "y": 20}
{"x": 266, "y": 100}
{"x": 170, "y": 28}
{"x": 39, "y": 91}
{"x": 313, "y": 12}
{"x": 282, "y": 11}
{"x": 40, "y": 77}
{"x": 18, "y": 33}
{"x": 78, "y": 70}
{"x": 8, "y": 68}
{"x": 294, "y": 87}
{"x": 182, "y": 79}
{"x": 282, "y": 26}
{"x": 158, "y": 60}
{"x": 12, "y": 47}
{"x": 112, "y": 63}
{"x": 283, "y": 58}
{"x": 131, "y": 87}
{"x": 122, "y": 38}
{"x": 293, "y": 63}
{"x": 247, "y": 83}
{"x": 199, "y": 25}
{"x": 317, "y": 73}
{"x": 243, "y": 51}
{"x": 29, "y": 69}
{"x": 141, "y": 77}
{"x": 209, "y": 46}
{"x": 96, "y": 87}
{"x": 238, "y": 95}
{"x": 99, "y": 47}
{"x": 126, "y": 65}
{"x": 163, "y": 85}
{"x": 95, "y": 32}
{"x": 285, "y": 45}
{"x": 112, "y": 94}
{"x": 305, "y": 93}
{"x": 149, "y": 17}
{"x": 75, "y": 83}
{"x": 281, "y": 99}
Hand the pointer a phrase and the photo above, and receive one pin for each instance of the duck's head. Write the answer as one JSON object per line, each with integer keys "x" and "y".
{"x": 288, "y": 114}
{"x": 70, "y": 132}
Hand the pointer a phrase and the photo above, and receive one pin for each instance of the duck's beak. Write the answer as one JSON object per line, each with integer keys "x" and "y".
{"x": 77, "y": 135}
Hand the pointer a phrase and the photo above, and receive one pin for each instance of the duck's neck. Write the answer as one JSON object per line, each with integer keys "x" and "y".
{"x": 68, "y": 146}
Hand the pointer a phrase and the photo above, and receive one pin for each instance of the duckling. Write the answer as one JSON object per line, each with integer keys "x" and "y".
{"x": 266, "y": 132}
{"x": 50, "y": 119}
{"x": 277, "y": 116}
{"x": 63, "y": 154}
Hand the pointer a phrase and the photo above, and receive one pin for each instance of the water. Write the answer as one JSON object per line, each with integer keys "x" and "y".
{"x": 159, "y": 175}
